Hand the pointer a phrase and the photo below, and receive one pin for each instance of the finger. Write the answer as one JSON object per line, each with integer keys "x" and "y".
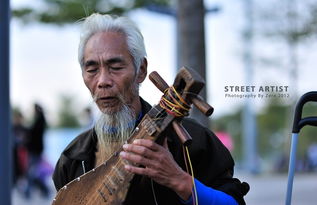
{"x": 135, "y": 170}
{"x": 135, "y": 159}
{"x": 137, "y": 149}
{"x": 140, "y": 170}
{"x": 147, "y": 143}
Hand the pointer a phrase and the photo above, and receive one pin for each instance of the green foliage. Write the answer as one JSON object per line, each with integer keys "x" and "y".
{"x": 293, "y": 22}
{"x": 273, "y": 128}
{"x": 24, "y": 13}
{"x": 69, "y": 11}
{"x": 66, "y": 113}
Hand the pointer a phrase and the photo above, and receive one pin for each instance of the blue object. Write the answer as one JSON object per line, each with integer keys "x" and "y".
{"x": 291, "y": 169}
{"x": 210, "y": 196}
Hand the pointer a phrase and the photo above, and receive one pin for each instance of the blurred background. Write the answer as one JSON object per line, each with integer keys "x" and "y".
{"x": 231, "y": 43}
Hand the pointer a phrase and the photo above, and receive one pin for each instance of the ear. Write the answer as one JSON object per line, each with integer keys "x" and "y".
{"x": 142, "y": 72}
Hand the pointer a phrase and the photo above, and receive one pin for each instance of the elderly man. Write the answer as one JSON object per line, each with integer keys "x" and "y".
{"x": 113, "y": 60}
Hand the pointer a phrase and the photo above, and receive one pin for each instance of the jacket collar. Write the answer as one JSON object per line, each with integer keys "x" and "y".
{"x": 83, "y": 146}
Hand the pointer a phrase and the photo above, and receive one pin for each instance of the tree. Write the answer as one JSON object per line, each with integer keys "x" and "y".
{"x": 190, "y": 18}
{"x": 191, "y": 42}
{"x": 66, "y": 115}
{"x": 69, "y": 11}
{"x": 291, "y": 22}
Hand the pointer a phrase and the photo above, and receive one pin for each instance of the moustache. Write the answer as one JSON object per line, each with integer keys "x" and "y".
{"x": 99, "y": 96}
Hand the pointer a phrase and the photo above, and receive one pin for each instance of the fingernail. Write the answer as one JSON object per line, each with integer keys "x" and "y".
{"x": 137, "y": 141}
{"x": 122, "y": 154}
{"x": 125, "y": 146}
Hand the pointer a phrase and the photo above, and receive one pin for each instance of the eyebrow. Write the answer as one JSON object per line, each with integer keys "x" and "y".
{"x": 109, "y": 61}
{"x": 90, "y": 63}
{"x": 115, "y": 60}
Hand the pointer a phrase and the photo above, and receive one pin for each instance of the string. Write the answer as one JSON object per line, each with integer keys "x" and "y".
{"x": 186, "y": 107}
{"x": 170, "y": 102}
{"x": 179, "y": 97}
{"x": 170, "y": 107}
{"x": 187, "y": 170}
{"x": 193, "y": 177}
{"x": 158, "y": 116}
{"x": 173, "y": 107}
{"x": 153, "y": 192}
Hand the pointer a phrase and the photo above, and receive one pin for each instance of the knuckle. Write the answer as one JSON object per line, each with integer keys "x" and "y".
{"x": 154, "y": 173}
{"x": 151, "y": 144}
{"x": 143, "y": 150}
{"x": 148, "y": 172}
{"x": 138, "y": 159}
{"x": 156, "y": 165}
{"x": 142, "y": 160}
{"x": 161, "y": 159}
{"x": 133, "y": 148}
{"x": 127, "y": 155}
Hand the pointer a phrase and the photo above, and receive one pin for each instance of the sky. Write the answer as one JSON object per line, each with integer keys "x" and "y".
{"x": 44, "y": 62}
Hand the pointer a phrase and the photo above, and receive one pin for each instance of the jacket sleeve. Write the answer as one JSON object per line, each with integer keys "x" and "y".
{"x": 213, "y": 163}
{"x": 209, "y": 196}
{"x": 225, "y": 181}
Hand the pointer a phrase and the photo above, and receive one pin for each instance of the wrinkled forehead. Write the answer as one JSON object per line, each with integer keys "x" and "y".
{"x": 104, "y": 40}
{"x": 106, "y": 44}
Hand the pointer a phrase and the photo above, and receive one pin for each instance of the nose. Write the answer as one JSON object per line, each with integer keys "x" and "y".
{"x": 104, "y": 79}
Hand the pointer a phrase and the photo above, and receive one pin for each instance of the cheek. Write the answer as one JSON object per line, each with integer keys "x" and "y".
{"x": 132, "y": 88}
{"x": 129, "y": 82}
{"x": 127, "y": 88}
{"x": 89, "y": 84}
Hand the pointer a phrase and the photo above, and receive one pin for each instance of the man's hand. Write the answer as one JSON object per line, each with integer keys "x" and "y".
{"x": 158, "y": 164}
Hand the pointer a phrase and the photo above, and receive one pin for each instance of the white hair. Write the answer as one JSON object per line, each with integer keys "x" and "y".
{"x": 113, "y": 130}
{"x": 102, "y": 23}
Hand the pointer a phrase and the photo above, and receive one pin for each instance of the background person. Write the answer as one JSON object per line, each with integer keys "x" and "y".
{"x": 35, "y": 147}
{"x": 20, "y": 155}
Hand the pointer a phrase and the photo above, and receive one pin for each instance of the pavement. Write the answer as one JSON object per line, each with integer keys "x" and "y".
{"x": 270, "y": 189}
{"x": 266, "y": 189}
{"x": 36, "y": 198}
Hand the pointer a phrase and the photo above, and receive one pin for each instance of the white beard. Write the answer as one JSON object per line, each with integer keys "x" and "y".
{"x": 113, "y": 130}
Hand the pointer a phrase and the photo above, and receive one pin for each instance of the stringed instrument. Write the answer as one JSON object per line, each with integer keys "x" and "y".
{"x": 108, "y": 183}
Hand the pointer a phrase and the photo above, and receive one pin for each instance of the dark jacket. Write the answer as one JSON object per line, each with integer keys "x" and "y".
{"x": 212, "y": 164}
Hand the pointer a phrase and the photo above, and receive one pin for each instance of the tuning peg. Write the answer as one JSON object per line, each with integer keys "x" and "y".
{"x": 204, "y": 107}
{"x": 183, "y": 135}
{"x": 158, "y": 81}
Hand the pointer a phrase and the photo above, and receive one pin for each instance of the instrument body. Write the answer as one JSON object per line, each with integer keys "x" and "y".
{"x": 108, "y": 183}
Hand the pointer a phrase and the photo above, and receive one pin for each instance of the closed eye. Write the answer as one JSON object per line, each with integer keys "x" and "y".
{"x": 116, "y": 63}
{"x": 91, "y": 70}
{"x": 91, "y": 66}
{"x": 116, "y": 68}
